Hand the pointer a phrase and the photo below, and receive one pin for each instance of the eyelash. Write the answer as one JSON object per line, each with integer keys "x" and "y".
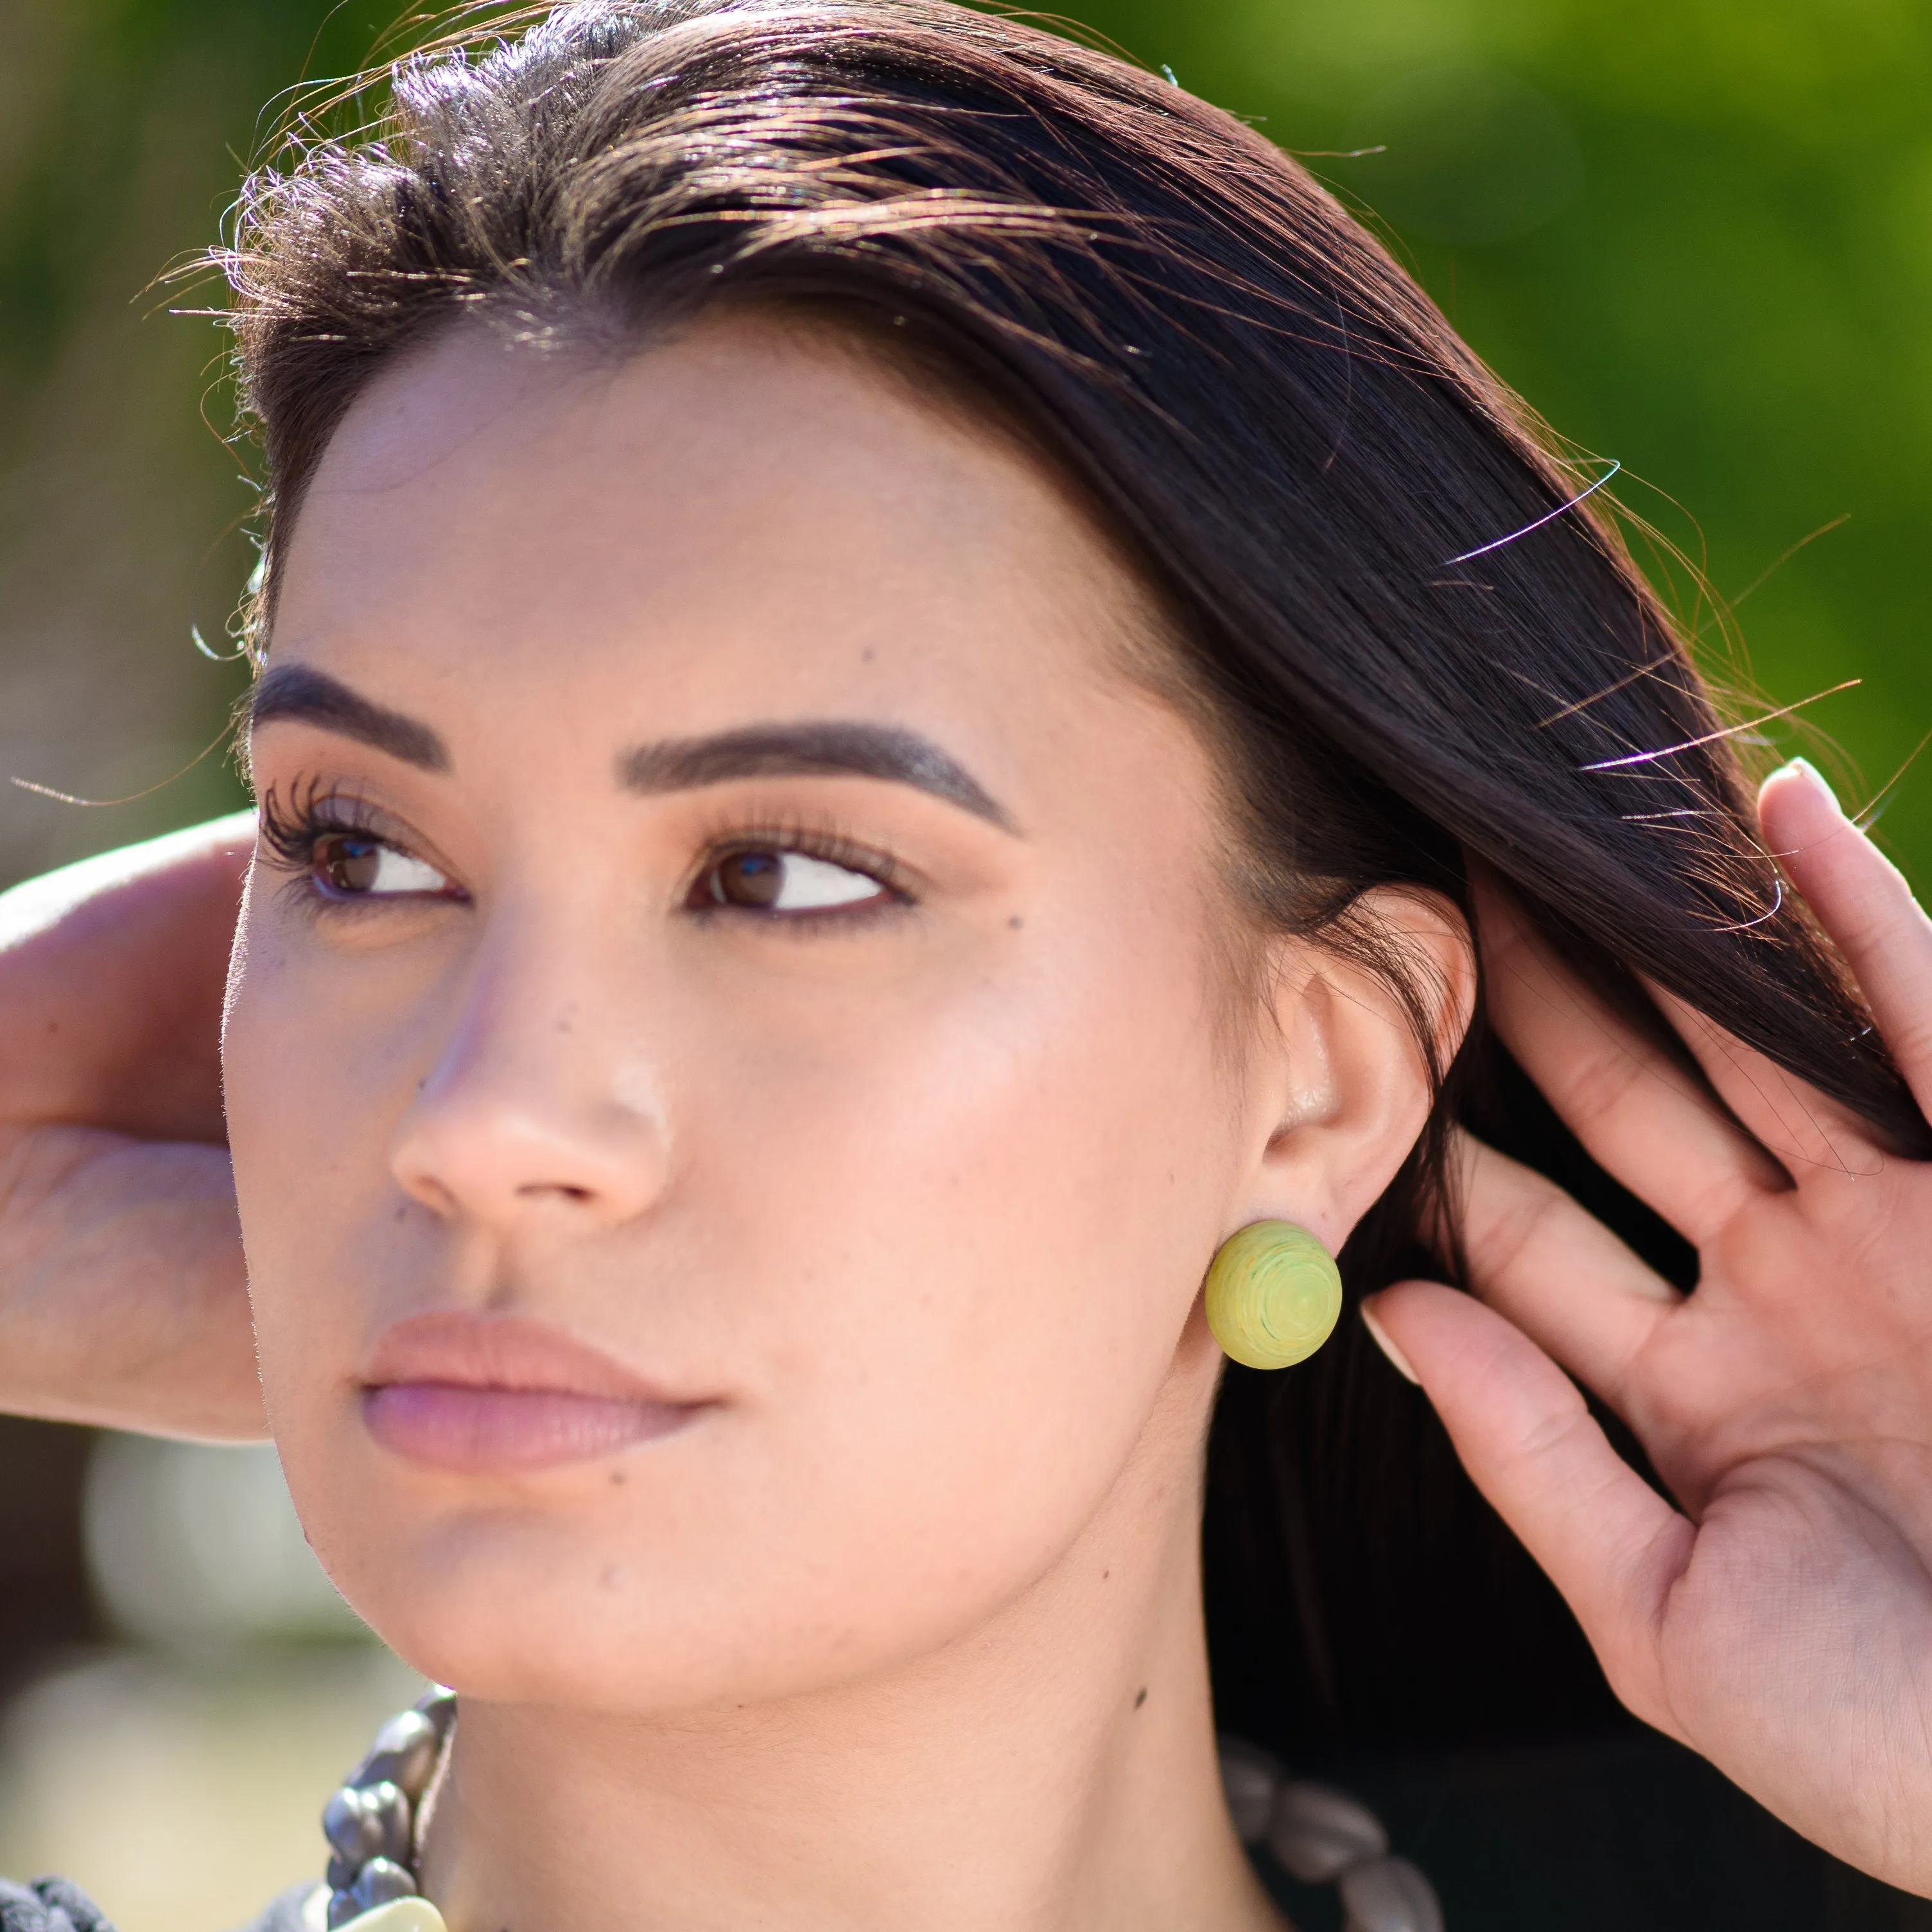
{"x": 291, "y": 832}
{"x": 810, "y": 841}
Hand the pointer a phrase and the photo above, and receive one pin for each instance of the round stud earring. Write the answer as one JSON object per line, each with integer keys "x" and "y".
{"x": 1273, "y": 1295}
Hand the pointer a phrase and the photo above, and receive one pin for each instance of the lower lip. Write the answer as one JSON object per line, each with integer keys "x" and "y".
{"x": 477, "y": 1431}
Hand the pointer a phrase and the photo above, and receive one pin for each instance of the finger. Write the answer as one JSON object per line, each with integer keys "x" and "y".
{"x": 1641, "y": 1117}
{"x": 1557, "y": 1273}
{"x": 1608, "y": 1541}
{"x": 123, "y": 1298}
{"x": 1862, "y": 900}
{"x": 112, "y": 974}
{"x": 219, "y": 848}
{"x": 1805, "y": 1129}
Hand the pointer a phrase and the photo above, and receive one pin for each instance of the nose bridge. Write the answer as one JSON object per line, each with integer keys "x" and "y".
{"x": 539, "y": 1092}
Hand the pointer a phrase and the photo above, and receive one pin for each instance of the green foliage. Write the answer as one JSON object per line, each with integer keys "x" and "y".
{"x": 1697, "y": 234}
{"x": 1727, "y": 288}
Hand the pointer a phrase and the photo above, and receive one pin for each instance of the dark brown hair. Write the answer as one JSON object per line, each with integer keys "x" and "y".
{"x": 1421, "y": 656}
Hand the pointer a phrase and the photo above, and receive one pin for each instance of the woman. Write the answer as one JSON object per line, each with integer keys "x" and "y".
{"x": 905, "y": 688}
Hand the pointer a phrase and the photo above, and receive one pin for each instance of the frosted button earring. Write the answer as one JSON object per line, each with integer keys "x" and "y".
{"x": 1273, "y": 1295}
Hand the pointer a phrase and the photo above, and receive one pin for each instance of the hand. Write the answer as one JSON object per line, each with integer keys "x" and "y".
{"x": 123, "y": 1297}
{"x": 1780, "y": 1622}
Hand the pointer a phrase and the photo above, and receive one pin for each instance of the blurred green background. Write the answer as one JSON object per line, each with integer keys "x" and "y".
{"x": 1697, "y": 234}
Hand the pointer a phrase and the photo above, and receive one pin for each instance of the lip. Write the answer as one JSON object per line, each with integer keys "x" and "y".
{"x": 482, "y": 1394}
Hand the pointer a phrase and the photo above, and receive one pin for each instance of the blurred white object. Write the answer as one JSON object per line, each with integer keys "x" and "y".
{"x": 181, "y": 1785}
{"x": 182, "y": 1793}
{"x": 196, "y": 1546}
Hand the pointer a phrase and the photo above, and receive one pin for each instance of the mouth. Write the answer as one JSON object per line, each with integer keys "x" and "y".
{"x": 481, "y": 1394}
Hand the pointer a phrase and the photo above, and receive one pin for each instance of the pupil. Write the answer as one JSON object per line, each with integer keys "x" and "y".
{"x": 751, "y": 879}
{"x": 350, "y": 864}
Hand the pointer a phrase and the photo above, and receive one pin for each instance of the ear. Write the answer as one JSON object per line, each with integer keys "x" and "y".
{"x": 1345, "y": 1078}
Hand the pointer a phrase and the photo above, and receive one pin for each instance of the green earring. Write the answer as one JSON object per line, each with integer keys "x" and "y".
{"x": 1274, "y": 1295}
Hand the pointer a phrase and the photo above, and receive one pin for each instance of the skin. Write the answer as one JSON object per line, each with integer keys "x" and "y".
{"x": 1780, "y": 1618}
{"x": 868, "y": 1645}
{"x": 911, "y": 1201}
{"x": 125, "y": 1299}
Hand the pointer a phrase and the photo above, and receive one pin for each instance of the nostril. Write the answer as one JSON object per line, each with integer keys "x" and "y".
{"x": 428, "y": 1191}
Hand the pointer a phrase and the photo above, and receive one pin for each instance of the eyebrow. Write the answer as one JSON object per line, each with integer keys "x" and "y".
{"x": 814, "y": 749}
{"x": 313, "y": 697}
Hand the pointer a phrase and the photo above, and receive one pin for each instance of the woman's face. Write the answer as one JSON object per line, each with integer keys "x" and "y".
{"x": 729, "y": 1069}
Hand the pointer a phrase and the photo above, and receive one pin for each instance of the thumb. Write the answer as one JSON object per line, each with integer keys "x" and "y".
{"x": 1609, "y": 1542}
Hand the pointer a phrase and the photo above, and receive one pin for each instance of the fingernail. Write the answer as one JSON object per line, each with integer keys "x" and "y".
{"x": 1387, "y": 1347}
{"x": 1816, "y": 777}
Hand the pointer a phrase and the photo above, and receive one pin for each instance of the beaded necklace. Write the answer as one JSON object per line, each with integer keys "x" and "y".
{"x": 1318, "y": 1835}
{"x": 370, "y": 1822}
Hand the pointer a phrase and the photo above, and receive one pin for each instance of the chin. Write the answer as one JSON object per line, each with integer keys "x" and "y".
{"x": 516, "y": 1608}
{"x": 517, "y": 1605}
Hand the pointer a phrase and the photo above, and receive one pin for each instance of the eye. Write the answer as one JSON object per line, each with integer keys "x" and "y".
{"x": 351, "y": 865}
{"x": 771, "y": 880}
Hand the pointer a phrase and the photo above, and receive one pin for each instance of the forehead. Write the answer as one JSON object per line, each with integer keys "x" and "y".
{"x": 749, "y": 494}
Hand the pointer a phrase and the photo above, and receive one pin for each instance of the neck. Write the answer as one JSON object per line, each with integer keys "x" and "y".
{"x": 1053, "y": 1770}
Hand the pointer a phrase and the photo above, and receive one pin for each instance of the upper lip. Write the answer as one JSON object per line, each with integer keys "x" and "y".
{"x": 504, "y": 1352}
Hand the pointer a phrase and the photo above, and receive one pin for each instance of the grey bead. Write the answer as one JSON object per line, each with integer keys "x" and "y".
{"x": 1390, "y": 1895}
{"x": 345, "y": 1826}
{"x": 404, "y": 1754}
{"x": 1250, "y": 1777}
{"x": 1318, "y": 1832}
{"x": 371, "y": 1824}
{"x": 342, "y": 1908}
{"x": 438, "y": 1704}
{"x": 380, "y": 1881}
{"x": 341, "y": 1873}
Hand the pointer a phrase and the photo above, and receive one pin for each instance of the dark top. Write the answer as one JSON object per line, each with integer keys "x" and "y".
{"x": 1624, "y": 1832}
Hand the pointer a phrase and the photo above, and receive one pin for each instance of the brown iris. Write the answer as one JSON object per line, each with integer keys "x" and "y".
{"x": 347, "y": 862}
{"x": 749, "y": 879}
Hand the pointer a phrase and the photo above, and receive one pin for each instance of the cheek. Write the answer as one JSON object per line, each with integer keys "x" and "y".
{"x": 316, "y": 1069}
{"x": 965, "y": 1247}
{"x": 267, "y": 1061}
{"x": 940, "y": 1237}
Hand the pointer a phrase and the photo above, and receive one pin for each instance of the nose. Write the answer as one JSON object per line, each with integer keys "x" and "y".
{"x": 540, "y": 1104}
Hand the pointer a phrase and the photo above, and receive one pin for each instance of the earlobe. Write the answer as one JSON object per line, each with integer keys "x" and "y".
{"x": 1360, "y": 1017}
